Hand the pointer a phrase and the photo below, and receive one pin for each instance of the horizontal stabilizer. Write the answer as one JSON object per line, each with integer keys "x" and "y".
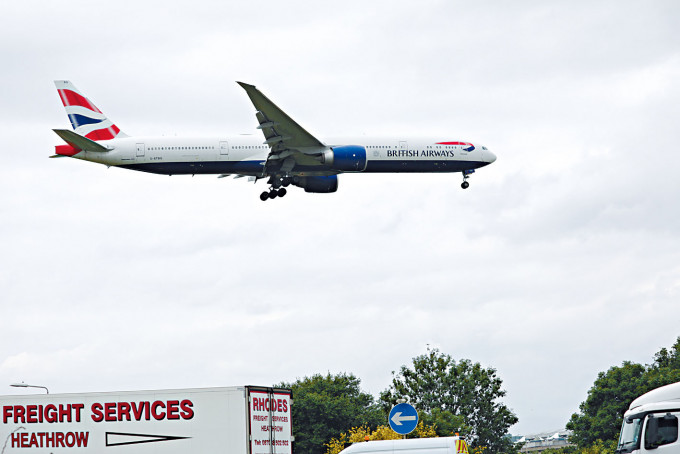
{"x": 79, "y": 142}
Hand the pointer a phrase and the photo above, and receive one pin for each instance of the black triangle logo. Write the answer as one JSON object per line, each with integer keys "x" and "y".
{"x": 120, "y": 438}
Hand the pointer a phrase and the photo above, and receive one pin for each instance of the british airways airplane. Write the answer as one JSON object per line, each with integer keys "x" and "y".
{"x": 288, "y": 155}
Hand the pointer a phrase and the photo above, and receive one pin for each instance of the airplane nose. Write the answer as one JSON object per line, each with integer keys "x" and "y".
{"x": 488, "y": 156}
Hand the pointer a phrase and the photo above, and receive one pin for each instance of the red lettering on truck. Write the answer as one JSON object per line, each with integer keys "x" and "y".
{"x": 267, "y": 404}
{"x": 97, "y": 415}
{"x": 187, "y": 410}
{"x": 34, "y": 414}
{"x": 154, "y": 407}
{"x": 51, "y": 413}
{"x": 49, "y": 439}
{"x": 138, "y": 409}
{"x": 110, "y": 412}
{"x": 173, "y": 409}
{"x": 123, "y": 411}
{"x": 31, "y": 414}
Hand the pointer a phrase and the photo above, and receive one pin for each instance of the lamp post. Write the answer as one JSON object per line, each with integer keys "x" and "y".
{"x": 26, "y": 385}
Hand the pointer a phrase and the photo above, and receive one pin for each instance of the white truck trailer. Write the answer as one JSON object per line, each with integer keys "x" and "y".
{"x": 231, "y": 420}
{"x": 651, "y": 422}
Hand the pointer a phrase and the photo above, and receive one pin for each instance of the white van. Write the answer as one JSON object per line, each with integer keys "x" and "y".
{"x": 651, "y": 422}
{"x": 443, "y": 445}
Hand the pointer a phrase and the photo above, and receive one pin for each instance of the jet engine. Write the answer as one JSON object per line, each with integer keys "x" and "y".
{"x": 318, "y": 184}
{"x": 347, "y": 158}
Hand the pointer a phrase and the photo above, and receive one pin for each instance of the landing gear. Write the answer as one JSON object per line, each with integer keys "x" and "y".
{"x": 273, "y": 193}
{"x": 278, "y": 187}
{"x": 466, "y": 175}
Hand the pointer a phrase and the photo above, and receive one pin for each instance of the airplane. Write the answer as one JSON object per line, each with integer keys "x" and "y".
{"x": 289, "y": 154}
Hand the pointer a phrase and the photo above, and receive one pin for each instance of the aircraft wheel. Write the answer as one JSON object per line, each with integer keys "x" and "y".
{"x": 465, "y": 185}
{"x": 264, "y": 196}
{"x": 273, "y": 194}
{"x": 282, "y": 192}
{"x": 285, "y": 182}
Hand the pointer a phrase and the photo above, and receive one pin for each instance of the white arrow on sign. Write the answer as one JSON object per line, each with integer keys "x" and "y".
{"x": 397, "y": 418}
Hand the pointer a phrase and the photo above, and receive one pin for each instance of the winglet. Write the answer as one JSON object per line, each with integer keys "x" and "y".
{"x": 245, "y": 85}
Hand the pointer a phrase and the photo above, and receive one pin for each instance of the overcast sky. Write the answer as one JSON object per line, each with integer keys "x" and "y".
{"x": 561, "y": 260}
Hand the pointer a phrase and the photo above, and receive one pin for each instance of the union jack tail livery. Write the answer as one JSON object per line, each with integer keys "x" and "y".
{"x": 86, "y": 119}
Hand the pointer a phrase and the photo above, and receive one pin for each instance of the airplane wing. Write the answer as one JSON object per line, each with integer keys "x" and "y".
{"x": 289, "y": 143}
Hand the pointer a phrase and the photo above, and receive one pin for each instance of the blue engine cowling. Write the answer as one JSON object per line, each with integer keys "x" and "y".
{"x": 319, "y": 184}
{"x": 347, "y": 158}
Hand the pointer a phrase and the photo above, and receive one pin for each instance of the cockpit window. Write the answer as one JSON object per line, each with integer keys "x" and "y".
{"x": 484, "y": 148}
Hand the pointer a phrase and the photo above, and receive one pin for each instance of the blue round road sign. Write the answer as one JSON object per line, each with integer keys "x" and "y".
{"x": 403, "y": 418}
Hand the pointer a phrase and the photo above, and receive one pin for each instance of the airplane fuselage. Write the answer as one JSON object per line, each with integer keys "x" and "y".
{"x": 246, "y": 155}
{"x": 284, "y": 153}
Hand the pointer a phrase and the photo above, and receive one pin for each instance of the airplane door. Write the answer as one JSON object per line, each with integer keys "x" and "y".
{"x": 224, "y": 149}
{"x": 141, "y": 149}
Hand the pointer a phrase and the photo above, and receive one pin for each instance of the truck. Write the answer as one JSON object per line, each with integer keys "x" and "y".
{"x": 440, "y": 445}
{"x": 651, "y": 422}
{"x": 228, "y": 420}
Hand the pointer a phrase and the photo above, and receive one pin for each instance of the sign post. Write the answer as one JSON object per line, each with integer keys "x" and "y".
{"x": 403, "y": 418}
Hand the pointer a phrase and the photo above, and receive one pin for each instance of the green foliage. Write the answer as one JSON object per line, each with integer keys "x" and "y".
{"x": 444, "y": 422}
{"x": 608, "y": 399}
{"x": 600, "y": 447}
{"x": 565, "y": 450}
{"x": 326, "y": 406}
{"x": 601, "y": 413}
{"x": 457, "y": 396}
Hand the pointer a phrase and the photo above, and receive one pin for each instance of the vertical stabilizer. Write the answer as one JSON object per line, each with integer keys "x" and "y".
{"x": 85, "y": 118}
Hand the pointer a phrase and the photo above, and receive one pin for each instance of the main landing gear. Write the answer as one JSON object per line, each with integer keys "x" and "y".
{"x": 277, "y": 189}
{"x": 273, "y": 193}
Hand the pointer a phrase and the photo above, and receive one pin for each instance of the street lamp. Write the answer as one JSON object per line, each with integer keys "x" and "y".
{"x": 26, "y": 385}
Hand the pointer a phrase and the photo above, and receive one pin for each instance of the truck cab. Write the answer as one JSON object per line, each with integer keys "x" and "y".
{"x": 651, "y": 423}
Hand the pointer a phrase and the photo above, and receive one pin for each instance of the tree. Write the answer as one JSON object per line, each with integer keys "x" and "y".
{"x": 666, "y": 367}
{"x": 608, "y": 399}
{"x": 326, "y": 406}
{"x": 610, "y": 396}
{"x": 439, "y": 387}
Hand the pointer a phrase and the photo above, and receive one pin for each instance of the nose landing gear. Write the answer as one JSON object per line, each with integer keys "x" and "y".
{"x": 466, "y": 175}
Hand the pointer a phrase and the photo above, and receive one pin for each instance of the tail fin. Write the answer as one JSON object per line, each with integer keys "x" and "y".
{"x": 85, "y": 118}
